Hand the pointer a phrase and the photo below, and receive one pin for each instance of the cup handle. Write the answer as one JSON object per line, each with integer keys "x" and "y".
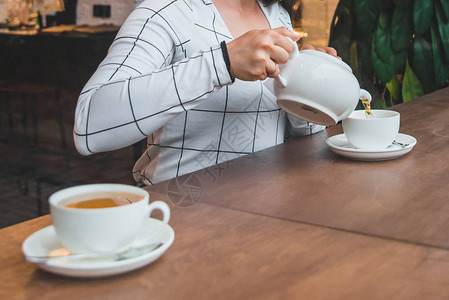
{"x": 162, "y": 206}
{"x": 365, "y": 94}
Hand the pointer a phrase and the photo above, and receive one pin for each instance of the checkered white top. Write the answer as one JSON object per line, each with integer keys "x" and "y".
{"x": 165, "y": 79}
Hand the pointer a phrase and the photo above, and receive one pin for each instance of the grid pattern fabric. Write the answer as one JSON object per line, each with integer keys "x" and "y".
{"x": 165, "y": 79}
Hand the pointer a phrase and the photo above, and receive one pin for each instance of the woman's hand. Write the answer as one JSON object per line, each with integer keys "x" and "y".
{"x": 328, "y": 50}
{"x": 256, "y": 54}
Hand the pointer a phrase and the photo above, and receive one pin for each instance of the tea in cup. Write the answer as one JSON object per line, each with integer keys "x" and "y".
{"x": 375, "y": 132}
{"x": 101, "y": 217}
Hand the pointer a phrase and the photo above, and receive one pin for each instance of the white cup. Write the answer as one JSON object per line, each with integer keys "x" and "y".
{"x": 110, "y": 229}
{"x": 377, "y": 132}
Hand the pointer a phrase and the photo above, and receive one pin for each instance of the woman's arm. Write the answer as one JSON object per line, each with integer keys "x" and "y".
{"x": 136, "y": 89}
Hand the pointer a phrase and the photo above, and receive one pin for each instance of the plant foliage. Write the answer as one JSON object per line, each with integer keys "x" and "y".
{"x": 397, "y": 49}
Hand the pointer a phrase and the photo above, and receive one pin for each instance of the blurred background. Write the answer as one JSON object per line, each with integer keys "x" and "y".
{"x": 398, "y": 50}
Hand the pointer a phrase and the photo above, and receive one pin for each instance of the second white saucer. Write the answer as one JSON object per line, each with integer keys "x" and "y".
{"x": 403, "y": 144}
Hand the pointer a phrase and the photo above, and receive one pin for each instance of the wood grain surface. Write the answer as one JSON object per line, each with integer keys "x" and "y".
{"x": 302, "y": 180}
{"x": 222, "y": 253}
{"x": 291, "y": 222}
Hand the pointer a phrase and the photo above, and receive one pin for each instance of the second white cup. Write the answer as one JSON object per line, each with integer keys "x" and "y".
{"x": 376, "y": 133}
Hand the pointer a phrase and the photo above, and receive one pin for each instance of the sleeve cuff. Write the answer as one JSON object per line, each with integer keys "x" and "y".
{"x": 224, "y": 50}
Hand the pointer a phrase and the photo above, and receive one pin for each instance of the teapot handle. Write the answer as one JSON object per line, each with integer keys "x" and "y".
{"x": 365, "y": 94}
{"x": 295, "y": 51}
{"x": 293, "y": 54}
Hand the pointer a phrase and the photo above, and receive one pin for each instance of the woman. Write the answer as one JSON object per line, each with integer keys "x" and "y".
{"x": 191, "y": 77}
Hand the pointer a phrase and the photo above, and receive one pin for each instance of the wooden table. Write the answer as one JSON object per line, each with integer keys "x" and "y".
{"x": 404, "y": 199}
{"x": 291, "y": 222}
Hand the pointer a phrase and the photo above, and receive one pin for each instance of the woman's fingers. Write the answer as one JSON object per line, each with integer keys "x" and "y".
{"x": 255, "y": 54}
{"x": 272, "y": 69}
{"x": 307, "y": 47}
{"x": 331, "y": 51}
{"x": 285, "y": 32}
{"x": 328, "y": 50}
{"x": 279, "y": 54}
{"x": 278, "y": 45}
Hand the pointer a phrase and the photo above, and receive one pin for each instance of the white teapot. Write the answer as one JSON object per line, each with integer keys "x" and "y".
{"x": 317, "y": 87}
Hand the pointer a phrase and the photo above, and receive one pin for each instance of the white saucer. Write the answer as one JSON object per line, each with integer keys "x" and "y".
{"x": 340, "y": 145}
{"x": 43, "y": 241}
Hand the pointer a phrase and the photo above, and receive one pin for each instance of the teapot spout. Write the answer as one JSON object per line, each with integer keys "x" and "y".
{"x": 362, "y": 94}
{"x": 365, "y": 94}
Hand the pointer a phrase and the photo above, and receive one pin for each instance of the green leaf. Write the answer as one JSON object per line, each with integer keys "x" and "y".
{"x": 403, "y": 3}
{"x": 445, "y": 8}
{"x": 399, "y": 61}
{"x": 364, "y": 58}
{"x": 394, "y": 88}
{"x": 341, "y": 30}
{"x": 382, "y": 43}
{"x": 384, "y": 69}
{"x": 384, "y": 21}
{"x": 382, "y": 5}
{"x": 401, "y": 28}
{"x": 443, "y": 28}
{"x": 422, "y": 15}
{"x": 354, "y": 60}
{"x": 441, "y": 69}
{"x": 365, "y": 15}
{"x": 382, "y": 56}
{"x": 423, "y": 63}
{"x": 379, "y": 104}
{"x": 411, "y": 87}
